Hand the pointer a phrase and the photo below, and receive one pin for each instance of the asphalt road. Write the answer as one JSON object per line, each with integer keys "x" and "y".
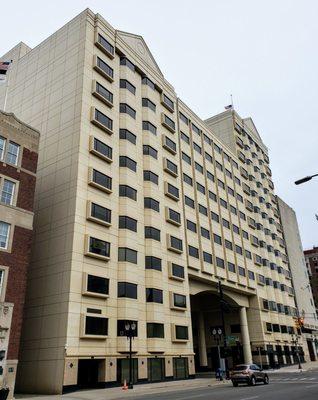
{"x": 282, "y": 386}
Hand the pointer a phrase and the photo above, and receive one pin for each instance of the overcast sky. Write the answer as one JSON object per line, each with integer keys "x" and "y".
{"x": 263, "y": 52}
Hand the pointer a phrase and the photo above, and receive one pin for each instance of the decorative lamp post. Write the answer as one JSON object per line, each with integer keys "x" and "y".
{"x": 217, "y": 335}
{"x": 295, "y": 342}
{"x": 130, "y": 329}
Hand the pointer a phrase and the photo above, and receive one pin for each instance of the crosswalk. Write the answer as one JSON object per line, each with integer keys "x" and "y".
{"x": 299, "y": 379}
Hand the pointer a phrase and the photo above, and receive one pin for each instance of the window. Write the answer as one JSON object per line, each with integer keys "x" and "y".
{"x": 152, "y": 233}
{"x": 210, "y": 176}
{"x": 124, "y": 84}
{"x": 231, "y": 267}
{"x": 127, "y": 135}
{"x": 170, "y": 167}
{"x": 150, "y": 151}
{"x": 169, "y": 144}
{"x": 2, "y": 147}
{"x": 127, "y": 289}
{"x": 127, "y": 223}
{"x": 126, "y": 254}
{"x": 225, "y": 223}
{"x": 127, "y": 63}
{"x": 223, "y": 203}
{"x": 197, "y": 148}
{"x": 217, "y": 148}
{"x": 154, "y": 295}
{"x": 175, "y": 244}
{"x": 220, "y": 262}
{"x": 245, "y": 234}
{"x": 172, "y": 191}
{"x": 148, "y": 126}
{"x": 198, "y": 167}
{"x": 230, "y": 191}
{"x": 98, "y": 247}
{"x": 127, "y": 191}
{"x": 179, "y": 300}
{"x": 181, "y": 332}
{"x": 152, "y": 262}
{"x": 168, "y": 123}
{"x": 195, "y": 129}
{"x": 242, "y": 216}
{"x": 215, "y": 217}
{"x": 7, "y": 192}
{"x": 236, "y": 229}
{"x": 97, "y": 284}
{"x": 203, "y": 210}
{"x": 242, "y": 271}
{"x": 151, "y": 203}
{"x": 96, "y": 326}
{"x": 233, "y": 210}
{"x": 207, "y": 257}
{"x": 177, "y": 271}
{"x": 173, "y": 216}
{"x": 186, "y": 158}
{"x": 189, "y": 202}
{"x": 148, "y": 103}
{"x": 221, "y": 184}
{"x": 248, "y": 254}
{"x": 193, "y": 251}
{"x": 185, "y": 138}
{"x": 251, "y": 275}
{"x": 183, "y": 118}
{"x": 4, "y": 235}
{"x": 207, "y": 139}
{"x": 208, "y": 157}
{"x": 126, "y": 109}
{"x": 187, "y": 179}
{"x": 128, "y": 163}
{"x": 104, "y": 69}
{"x": 238, "y": 249}
{"x": 155, "y": 330}
{"x": 212, "y": 196}
{"x": 200, "y": 188}
{"x": 101, "y": 150}
{"x": 121, "y": 327}
{"x": 102, "y": 121}
{"x": 167, "y": 102}
{"x": 205, "y": 233}
{"x": 191, "y": 226}
{"x": 151, "y": 177}
{"x": 103, "y": 94}
{"x": 104, "y": 44}
{"x": 228, "y": 244}
{"x": 217, "y": 239}
{"x": 219, "y": 165}
{"x": 100, "y": 213}
{"x": 148, "y": 82}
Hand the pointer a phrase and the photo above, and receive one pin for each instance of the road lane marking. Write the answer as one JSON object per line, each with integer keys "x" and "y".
{"x": 249, "y": 398}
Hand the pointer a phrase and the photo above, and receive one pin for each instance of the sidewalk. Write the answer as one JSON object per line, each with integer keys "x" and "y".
{"x": 308, "y": 366}
{"x": 138, "y": 390}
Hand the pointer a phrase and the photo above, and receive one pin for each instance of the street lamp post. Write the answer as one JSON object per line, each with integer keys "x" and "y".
{"x": 305, "y": 179}
{"x": 130, "y": 328}
{"x": 295, "y": 341}
{"x": 217, "y": 335}
{"x": 259, "y": 349}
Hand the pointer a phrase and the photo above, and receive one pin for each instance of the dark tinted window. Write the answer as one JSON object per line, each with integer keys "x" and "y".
{"x": 127, "y": 289}
{"x": 96, "y": 326}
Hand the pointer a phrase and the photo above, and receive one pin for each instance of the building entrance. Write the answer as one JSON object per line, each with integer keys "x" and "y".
{"x": 87, "y": 376}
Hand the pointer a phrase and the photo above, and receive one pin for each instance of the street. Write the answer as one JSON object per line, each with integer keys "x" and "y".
{"x": 283, "y": 386}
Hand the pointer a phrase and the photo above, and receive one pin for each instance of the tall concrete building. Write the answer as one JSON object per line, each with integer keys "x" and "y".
{"x": 18, "y": 161}
{"x": 142, "y": 208}
{"x": 300, "y": 277}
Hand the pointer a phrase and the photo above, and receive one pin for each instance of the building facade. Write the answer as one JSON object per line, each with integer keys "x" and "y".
{"x": 18, "y": 162}
{"x": 311, "y": 258}
{"x": 142, "y": 208}
{"x": 300, "y": 277}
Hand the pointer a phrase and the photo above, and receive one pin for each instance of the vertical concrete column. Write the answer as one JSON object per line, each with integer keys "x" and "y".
{"x": 245, "y": 336}
{"x": 202, "y": 342}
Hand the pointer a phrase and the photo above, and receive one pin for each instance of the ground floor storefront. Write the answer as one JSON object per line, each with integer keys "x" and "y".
{"x": 80, "y": 373}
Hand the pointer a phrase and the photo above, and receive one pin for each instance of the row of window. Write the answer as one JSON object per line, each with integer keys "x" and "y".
{"x": 98, "y": 326}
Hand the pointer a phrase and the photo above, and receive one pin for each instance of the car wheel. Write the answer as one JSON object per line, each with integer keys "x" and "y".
{"x": 266, "y": 380}
{"x": 235, "y": 384}
{"x": 252, "y": 381}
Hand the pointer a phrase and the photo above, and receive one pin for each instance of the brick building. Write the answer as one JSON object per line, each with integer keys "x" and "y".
{"x": 18, "y": 162}
{"x": 311, "y": 257}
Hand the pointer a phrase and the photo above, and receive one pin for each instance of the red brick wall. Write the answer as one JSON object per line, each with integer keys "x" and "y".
{"x": 18, "y": 262}
{"x": 29, "y": 160}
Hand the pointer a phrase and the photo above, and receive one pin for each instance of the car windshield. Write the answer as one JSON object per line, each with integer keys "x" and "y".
{"x": 240, "y": 367}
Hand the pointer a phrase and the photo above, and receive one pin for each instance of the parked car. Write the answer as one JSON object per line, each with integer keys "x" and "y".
{"x": 248, "y": 373}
